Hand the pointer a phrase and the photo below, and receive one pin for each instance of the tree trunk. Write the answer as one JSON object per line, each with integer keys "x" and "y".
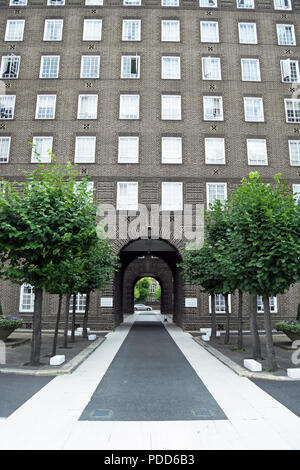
{"x": 272, "y": 365}
{"x": 57, "y": 325}
{"x": 73, "y": 319}
{"x": 227, "y": 334}
{"x": 240, "y": 321}
{"x": 86, "y": 316}
{"x": 256, "y": 349}
{"x": 36, "y": 328}
{"x": 67, "y": 314}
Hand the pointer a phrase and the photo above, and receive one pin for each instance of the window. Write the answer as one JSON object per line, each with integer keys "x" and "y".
{"x": 250, "y": 70}
{"x": 247, "y": 33}
{"x": 130, "y": 67}
{"x": 10, "y": 65}
{"x": 85, "y": 149}
{"x": 254, "y": 110}
{"x": 209, "y": 31}
{"x": 272, "y": 303}
{"x": 171, "y": 150}
{"x": 90, "y": 66}
{"x": 170, "y": 30}
{"x": 7, "y": 106}
{"x": 92, "y": 30}
{"x": 4, "y": 149}
{"x": 211, "y": 68}
{"x": 171, "y": 196}
{"x": 55, "y": 2}
{"x": 257, "y": 152}
{"x": 129, "y": 106}
{"x": 170, "y": 68}
{"x": 208, "y": 3}
{"x": 294, "y": 150}
{"x": 128, "y": 150}
{"x": 14, "y": 30}
{"x": 131, "y": 30}
{"x": 94, "y": 3}
{"x": 45, "y": 107}
{"x": 80, "y": 303}
{"x": 135, "y": 3}
{"x": 127, "y": 196}
{"x": 170, "y": 3}
{"x": 215, "y": 150}
{"x": 245, "y": 3}
{"x": 286, "y": 35}
{"x": 53, "y": 30}
{"x": 171, "y": 107}
{"x": 296, "y": 192}
{"x": 216, "y": 191}
{"x": 26, "y": 298}
{"x": 220, "y": 303}
{"x": 87, "y": 106}
{"x": 42, "y": 149}
{"x": 213, "y": 108}
{"x": 17, "y": 3}
{"x": 292, "y": 110}
{"x": 282, "y": 5}
{"x": 49, "y": 66}
{"x": 289, "y": 70}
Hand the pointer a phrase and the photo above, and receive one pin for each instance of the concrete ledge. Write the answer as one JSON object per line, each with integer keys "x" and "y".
{"x": 67, "y": 368}
{"x": 239, "y": 370}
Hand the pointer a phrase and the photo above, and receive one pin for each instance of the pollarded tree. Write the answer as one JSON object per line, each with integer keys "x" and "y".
{"x": 41, "y": 220}
{"x": 266, "y": 234}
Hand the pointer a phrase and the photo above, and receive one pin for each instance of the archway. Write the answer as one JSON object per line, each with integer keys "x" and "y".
{"x": 147, "y": 292}
{"x": 149, "y": 258}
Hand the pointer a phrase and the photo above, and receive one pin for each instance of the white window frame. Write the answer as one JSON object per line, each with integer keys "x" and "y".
{"x": 134, "y": 109}
{"x": 5, "y": 158}
{"x": 246, "y": 40}
{"x": 219, "y": 300}
{"x": 208, "y": 3}
{"x": 42, "y": 65}
{"x": 93, "y": 98}
{"x": 164, "y": 109}
{"x": 293, "y": 161}
{"x": 82, "y": 66}
{"x": 46, "y": 158}
{"x": 296, "y": 192}
{"x": 224, "y": 185}
{"x": 251, "y": 142}
{"x": 86, "y": 34}
{"x": 123, "y": 149}
{"x": 243, "y": 62}
{"x": 173, "y": 156}
{"x": 173, "y": 204}
{"x": 206, "y": 75}
{"x": 206, "y": 115}
{"x": 80, "y": 303}
{"x": 55, "y": 3}
{"x": 248, "y": 4}
{"x": 133, "y": 76}
{"x": 170, "y": 3}
{"x": 282, "y": 5}
{"x": 7, "y": 31}
{"x": 46, "y": 30}
{"x": 213, "y": 161}
{"x": 128, "y": 205}
{"x": 124, "y": 30}
{"x": 10, "y": 107}
{"x": 294, "y": 110}
{"x": 287, "y": 63}
{"x": 209, "y": 40}
{"x": 164, "y": 33}
{"x": 98, "y": 3}
{"x": 272, "y": 302}
{"x": 17, "y": 60}
{"x": 86, "y": 158}
{"x": 38, "y": 106}
{"x": 279, "y": 34}
{"x": 18, "y": 3}
{"x": 249, "y": 118}
{"x": 30, "y": 308}
{"x": 132, "y": 3}
{"x": 166, "y": 72}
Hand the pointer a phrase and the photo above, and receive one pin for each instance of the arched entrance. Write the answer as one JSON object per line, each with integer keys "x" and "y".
{"x": 149, "y": 258}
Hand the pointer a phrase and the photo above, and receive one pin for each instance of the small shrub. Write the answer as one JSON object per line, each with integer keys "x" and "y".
{"x": 290, "y": 326}
{"x": 6, "y": 323}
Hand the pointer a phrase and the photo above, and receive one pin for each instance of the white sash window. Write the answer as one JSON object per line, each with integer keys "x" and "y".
{"x": 213, "y": 108}
{"x": 4, "y": 149}
{"x": 87, "y": 106}
{"x": 42, "y": 147}
{"x": 45, "y": 107}
{"x": 85, "y": 149}
{"x": 127, "y": 196}
{"x": 170, "y": 30}
{"x": 53, "y": 30}
{"x": 14, "y": 30}
{"x": 92, "y": 30}
{"x": 171, "y": 150}
{"x": 129, "y": 106}
{"x": 171, "y": 107}
{"x": 215, "y": 151}
{"x": 7, "y": 106}
{"x": 128, "y": 150}
{"x": 209, "y": 31}
{"x": 211, "y": 68}
{"x": 171, "y": 196}
{"x": 257, "y": 152}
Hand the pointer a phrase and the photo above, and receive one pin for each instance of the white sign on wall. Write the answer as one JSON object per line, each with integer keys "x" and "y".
{"x": 106, "y": 302}
{"x": 191, "y": 302}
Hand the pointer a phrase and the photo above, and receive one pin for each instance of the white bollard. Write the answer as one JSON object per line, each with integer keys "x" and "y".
{"x": 92, "y": 337}
{"x": 293, "y": 373}
{"x": 252, "y": 365}
{"x": 57, "y": 360}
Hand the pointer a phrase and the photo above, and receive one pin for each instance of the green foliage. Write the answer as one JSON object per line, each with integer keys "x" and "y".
{"x": 9, "y": 323}
{"x": 157, "y": 293}
{"x": 142, "y": 290}
{"x": 288, "y": 326}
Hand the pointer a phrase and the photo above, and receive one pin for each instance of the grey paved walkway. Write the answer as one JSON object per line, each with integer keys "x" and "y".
{"x": 151, "y": 380}
{"x": 287, "y": 393}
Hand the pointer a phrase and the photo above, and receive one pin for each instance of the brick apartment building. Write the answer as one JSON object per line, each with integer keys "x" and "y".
{"x": 167, "y": 102}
